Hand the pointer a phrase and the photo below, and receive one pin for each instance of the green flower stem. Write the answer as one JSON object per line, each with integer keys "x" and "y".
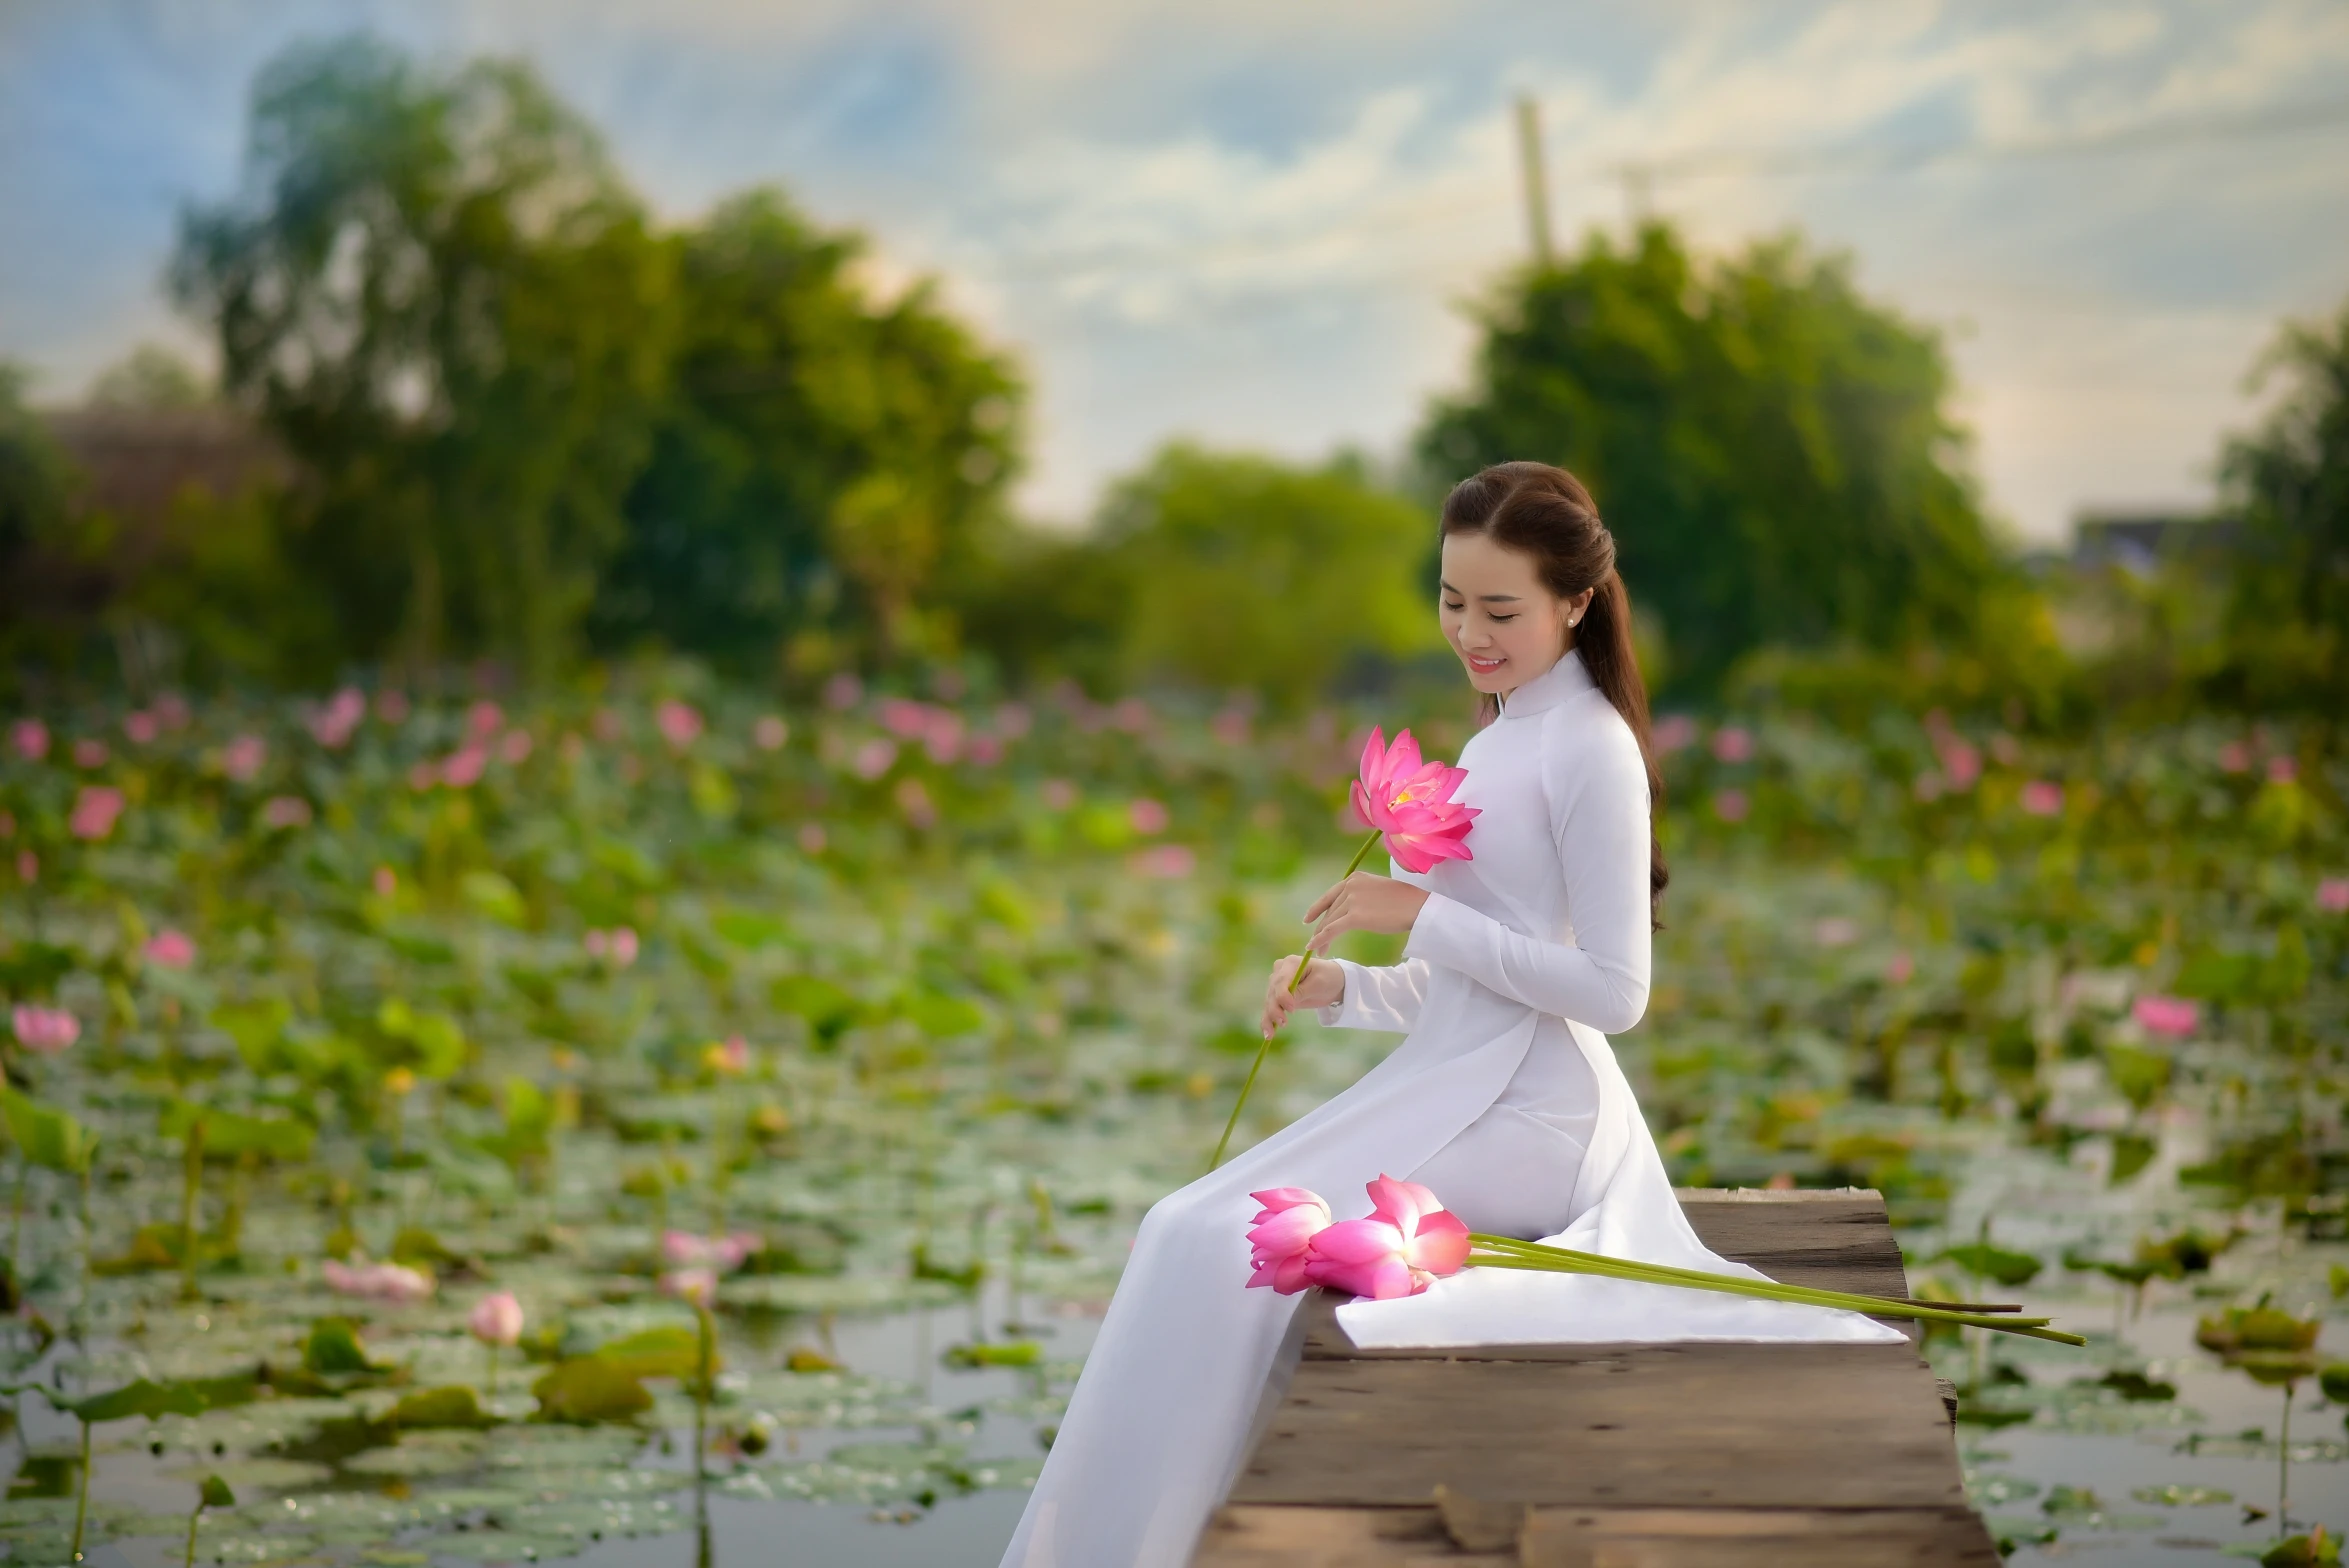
{"x": 1295, "y": 980}
{"x": 81, "y": 1497}
{"x": 1505, "y": 1252}
{"x": 193, "y": 1519}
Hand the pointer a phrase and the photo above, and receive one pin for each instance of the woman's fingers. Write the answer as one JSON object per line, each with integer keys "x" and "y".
{"x": 1323, "y": 903}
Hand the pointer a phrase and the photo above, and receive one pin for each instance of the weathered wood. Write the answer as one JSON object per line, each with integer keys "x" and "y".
{"x": 1622, "y": 1456}
{"x": 1687, "y": 1425}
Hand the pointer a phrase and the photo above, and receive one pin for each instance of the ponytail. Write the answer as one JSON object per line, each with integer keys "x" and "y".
{"x": 1547, "y": 514}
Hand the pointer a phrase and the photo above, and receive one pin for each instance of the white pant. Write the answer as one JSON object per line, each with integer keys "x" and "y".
{"x": 1511, "y": 1171}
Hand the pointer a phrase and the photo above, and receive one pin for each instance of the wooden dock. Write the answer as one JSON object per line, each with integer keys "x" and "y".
{"x": 1622, "y": 1456}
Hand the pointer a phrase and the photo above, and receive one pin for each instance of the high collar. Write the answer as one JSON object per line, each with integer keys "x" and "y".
{"x": 1567, "y": 678}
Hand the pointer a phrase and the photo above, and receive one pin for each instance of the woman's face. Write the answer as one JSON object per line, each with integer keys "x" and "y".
{"x": 1506, "y": 626}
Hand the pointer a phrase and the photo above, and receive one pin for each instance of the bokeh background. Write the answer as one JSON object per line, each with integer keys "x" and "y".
{"x": 639, "y": 638}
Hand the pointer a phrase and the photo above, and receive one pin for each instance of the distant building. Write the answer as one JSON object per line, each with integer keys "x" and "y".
{"x": 2139, "y": 541}
{"x": 135, "y": 464}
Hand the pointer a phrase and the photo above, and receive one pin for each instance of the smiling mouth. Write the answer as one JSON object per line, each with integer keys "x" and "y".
{"x": 1483, "y": 666}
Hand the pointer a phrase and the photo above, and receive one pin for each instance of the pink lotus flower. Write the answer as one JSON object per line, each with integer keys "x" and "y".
{"x": 28, "y": 867}
{"x": 769, "y": 733}
{"x": 943, "y": 740}
{"x": 986, "y": 750}
{"x": 1282, "y": 1240}
{"x": 905, "y": 718}
{"x": 385, "y": 881}
{"x": 1732, "y": 744}
{"x": 461, "y": 769}
{"x": 483, "y": 720}
{"x": 2168, "y": 1015}
{"x": 333, "y": 725}
{"x": 392, "y": 707}
{"x": 45, "y": 1031}
{"x": 514, "y": 749}
{"x": 1410, "y": 803}
{"x": 496, "y": 1319}
{"x": 1147, "y": 816}
{"x": 140, "y": 727}
{"x": 678, "y": 722}
{"x": 1730, "y": 805}
{"x": 1673, "y": 732}
{"x": 30, "y": 737}
{"x": 813, "y": 838}
{"x": 1901, "y": 970}
{"x": 241, "y": 758}
{"x": 1961, "y": 762}
{"x": 1058, "y": 794}
{"x": 2282, "y": 770}
{"x": 716, "y": 1254}
{"x": 377, "y": 1281}
{"x": 285, "y": 811}
{"x": 2043, "y": 799}
{"x": 1013, "y": 720}
{"x": 170, "y": 948}
{"x": 2235, "y": 757}
{"x": 617, "y": 947}
{"x": 172, "y": 709}
{"x": 2332, "y": 895}
{"x": 1408, "y": 1241}
{"x": 728, "y": 1058}
{"x": 695, "y": 1287}
{"x": 843, "y": 692}
{"x": 90, "y": 753}
{"x": 1167, "y": 862}
{"x": 95, "y": 810}
{"x": 874, "y": 758}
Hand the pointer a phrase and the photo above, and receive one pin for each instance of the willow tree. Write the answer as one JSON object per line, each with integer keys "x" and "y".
{"x": 436, "y": 291}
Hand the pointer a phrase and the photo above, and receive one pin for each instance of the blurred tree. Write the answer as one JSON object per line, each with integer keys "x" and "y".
{"x": 150, "y": 378}
{"x": 2288, "y": 612}
{"x": 824, "y": 456}
{"x": 37, "y": 620}
{"x": 436, "y": 292}
{"x": 1219, "y": 570}
{"x": 1770, "y": 449}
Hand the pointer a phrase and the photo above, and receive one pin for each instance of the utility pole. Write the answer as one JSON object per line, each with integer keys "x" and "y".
{"x": 1537, "y": 183}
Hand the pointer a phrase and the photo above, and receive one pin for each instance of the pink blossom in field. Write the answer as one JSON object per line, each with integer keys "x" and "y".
{"x": 2170, "y": 1015}
{"x": 944, "y": 736}
{"x": 2282, "y": 770}
{"x": 1013, "y": 720}
{"x": 95, "y": 811}
{"x": 1409, "y": 1241}
{"x": 1131, "y": 714}
{"x": 986, "y": 750}
{"x": 483, "y": 719}
{"x": 1928, "y": 786}
{"x": 333, "y": 725}
{"x": 1673, "y": 732}
{"x": 812, "y": 839}
{"x": 172, "y": 712}
{"x": 769, "y": 733}
{"x": 914, "y": 801}
{"x": 514, "y": 748}
{"x": 2332, "y": 895}
{"x": 496, "y": 1319}
{"x": 683, "y": 1249}
{"x": 696, "y": 1287}
{"x": 2235, "y": 757}
{"x": 1230, "y": 726}
{"x": 678, "y": 722}
{"x": 1730, "y": 805}
{"x": 1168, "y": 862}
{"x": 616, "y": 947}
{"x": 88, "y": 753}
{"x": 843, "y": 692}
{"x": 905, "y": 719}
{"x": 30, "y": 737}
{"x": 1147, "y": 816}
{"x": 377, "y": 1281}
{"x": 45, "y": 1031}
{"x": 28, "y": 867}
{"x": 1732, "y": 743}
{"x": 1280, "y": 1241}
{"x": 286, "y": 811}
{"x": 729, "y": 1058}
{"x": 7, "y": 824}
{"x": 242, "y": 757}
{"x": 170, "y": 948}
{"x": 384, "y": 881}
{"x": 140, "y": 728}
{"x": 1835, "y": 931}
{"x": 1058, "y": 794}
{"x": 2042, "y": 798}
{"x": 462, "y": 768}
{"x": 1901, "y": 970}
{"x": 392, "y": 707}
{"x": 1960, "y": 763}
{"x": 874, "y": 758}
{"x": 422, "y": 776}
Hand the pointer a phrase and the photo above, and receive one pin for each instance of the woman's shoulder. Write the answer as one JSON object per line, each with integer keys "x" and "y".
{"x": 1585, "y": 742}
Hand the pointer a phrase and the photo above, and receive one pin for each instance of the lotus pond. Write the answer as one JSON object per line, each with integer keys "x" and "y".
{"x": 877, "y": 1026}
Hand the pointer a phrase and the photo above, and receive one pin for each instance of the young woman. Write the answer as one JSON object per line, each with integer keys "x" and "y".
{"x": 1504, "y": 1097}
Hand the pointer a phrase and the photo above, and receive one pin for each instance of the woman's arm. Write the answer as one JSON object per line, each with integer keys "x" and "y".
{"x": 1600, "y": 825}
{"x": 1387, "y": 997}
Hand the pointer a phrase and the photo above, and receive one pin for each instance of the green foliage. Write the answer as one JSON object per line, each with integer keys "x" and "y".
{"x": 439, "y": 297}
{"x": 454, "y": 1406}
{"x": 36, "y": 507}
{"x": 589, "y": 1389}
{"x": 213, "y": 1492}
{"x": 334, "y": 1350}
{"x": 2288, "y": 484}
{"x": 1772, "y": 450}
{"x": 141, "y": 1398}
{"x": 43, "y": 1134}
{"x": 1217, "y": 571}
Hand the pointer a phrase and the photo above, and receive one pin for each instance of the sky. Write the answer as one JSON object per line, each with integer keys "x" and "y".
{"x": 1258, "y": 225}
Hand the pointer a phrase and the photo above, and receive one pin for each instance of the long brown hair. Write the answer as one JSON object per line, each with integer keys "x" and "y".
{"x": 1545, "y": 512}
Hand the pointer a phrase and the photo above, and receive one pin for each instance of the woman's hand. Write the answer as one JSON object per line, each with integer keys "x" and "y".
{"x": 1325, "y": 984}
{"x": 1363, "y": 902}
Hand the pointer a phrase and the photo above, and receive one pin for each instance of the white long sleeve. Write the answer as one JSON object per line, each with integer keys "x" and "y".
{"x": 1385, "y": 997}
{"x": 1599, "y": 822}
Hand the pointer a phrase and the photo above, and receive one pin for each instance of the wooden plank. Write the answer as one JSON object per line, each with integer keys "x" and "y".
{"x": 1756, "y": 1538}
{"x": 1684, "y": 1425}
{"x": 1248, "y": 1537}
